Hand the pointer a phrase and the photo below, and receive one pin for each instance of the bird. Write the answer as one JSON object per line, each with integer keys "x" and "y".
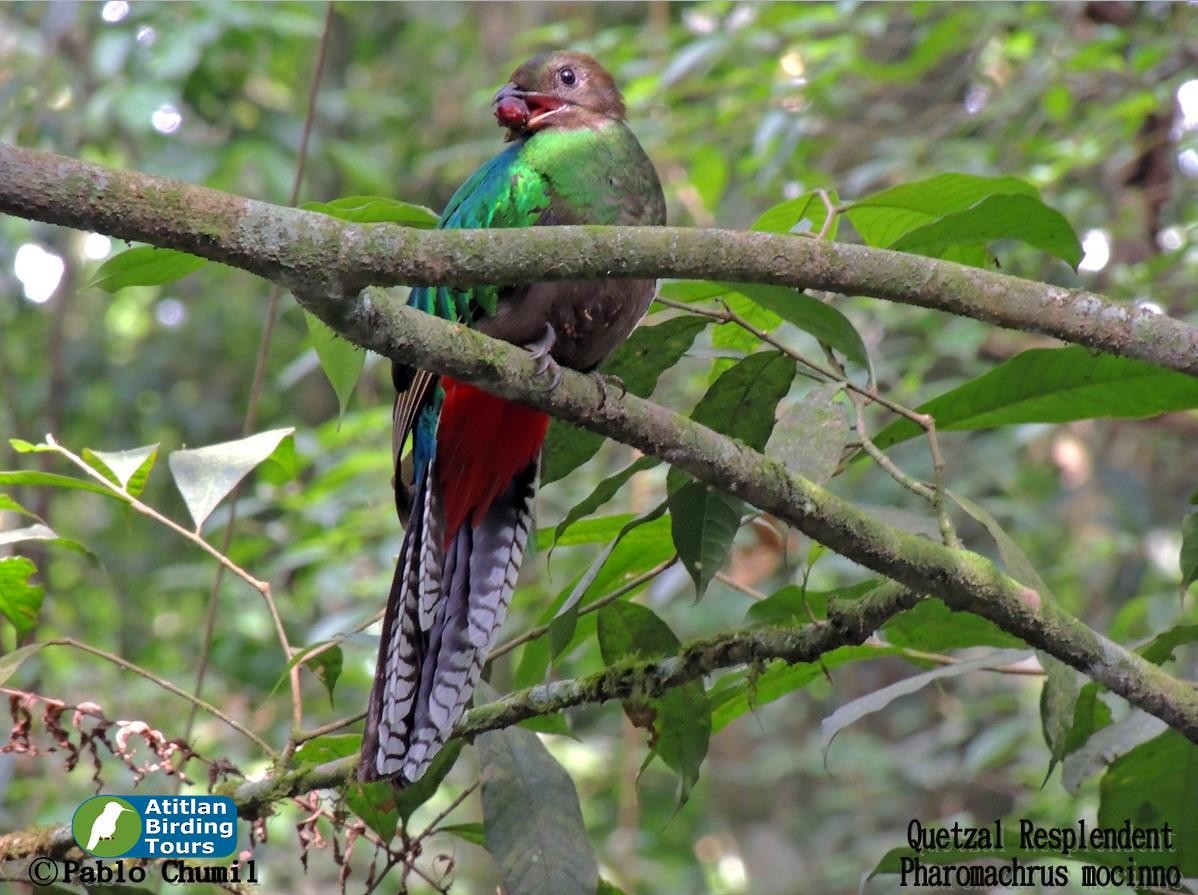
{"x": 104, "y": 826}
{"x": 466, "y": 491}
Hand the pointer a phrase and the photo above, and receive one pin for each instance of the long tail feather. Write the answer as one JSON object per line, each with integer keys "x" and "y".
{"x": 480, "y": 574}
{"x": 401, "y": 657}
{"x": 446, "y": 606}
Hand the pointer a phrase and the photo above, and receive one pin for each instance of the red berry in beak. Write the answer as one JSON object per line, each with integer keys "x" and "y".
{"x": 512, "y": 112}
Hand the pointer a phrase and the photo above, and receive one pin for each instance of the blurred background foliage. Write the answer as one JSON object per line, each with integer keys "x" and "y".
{"x": 740, "y": 106}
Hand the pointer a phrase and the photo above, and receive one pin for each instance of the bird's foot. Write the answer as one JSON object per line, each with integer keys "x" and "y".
{"x": 602, "y": 380}
{"x": 546, "y": 365}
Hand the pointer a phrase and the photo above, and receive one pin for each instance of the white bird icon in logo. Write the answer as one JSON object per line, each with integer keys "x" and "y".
{"x": 104, "y": 826}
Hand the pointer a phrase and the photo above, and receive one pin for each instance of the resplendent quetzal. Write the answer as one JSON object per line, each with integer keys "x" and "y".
{"x": 469, "y": 496}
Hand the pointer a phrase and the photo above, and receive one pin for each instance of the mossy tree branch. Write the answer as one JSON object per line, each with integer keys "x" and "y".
{"x": 847, "y": 624}
{"x": 313, "y": 253}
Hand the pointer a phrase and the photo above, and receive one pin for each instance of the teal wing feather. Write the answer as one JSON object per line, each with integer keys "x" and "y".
{"x": 504, "y": 192}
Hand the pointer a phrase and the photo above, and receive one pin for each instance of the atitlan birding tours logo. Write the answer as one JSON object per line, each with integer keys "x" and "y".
{"x": 156, "y": 826}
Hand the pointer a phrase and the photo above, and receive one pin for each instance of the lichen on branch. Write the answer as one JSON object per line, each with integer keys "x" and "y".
{"x": 311, "y": 252}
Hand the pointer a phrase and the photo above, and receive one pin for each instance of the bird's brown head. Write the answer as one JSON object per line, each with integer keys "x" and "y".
{"x": 561, "y": 89}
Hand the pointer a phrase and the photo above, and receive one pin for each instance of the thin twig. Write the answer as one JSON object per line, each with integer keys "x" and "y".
{"x": 262, "y": 587}
{"x": 911, "y": 484}
{"x": 835, "y": 373}
{"x": 321, "y": 648}
{"x": 807, "y": 567}
{"x": 925, "y": 421}
{"x": 730, "y": 316}
{"x": 166, "y": 685}
{"x": 947, "y": 532}
{"x": 301, "y": 737}
{"x": 942, "y": 659}
{"x": 745, "y": 589}
{"x": 393, "y": 857}
{"x": 542, "y": 630}
{"x": 433, "y": 824}
{"x": 830, "y": 212}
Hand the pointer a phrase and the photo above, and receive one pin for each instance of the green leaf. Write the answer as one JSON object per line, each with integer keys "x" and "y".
{"x": 531, "y": 817}
{"x": 301, "y": 657}
{"x": 603, "y": 492}
{"x": 745, "y": 691}
{"x": 7, "y": 504}
{"x": 469, "y": 832}
{"x": 1155, "y": 784}
{"x": 1021, "y": 217}
{"x": 824, "y": 322}
{"x": 641, "y": 549}
{"x": 1189, "y": 550}
{"x": 649, "y": 351}
{"x": 877, "y": 700}
{"x": 10, "y": 662}
{"x": 1058, "y": 697}
{"x": 741, "y": 404}
{"x": 596, "y": 530}
{"x": 206, "y": 475}
{"x": 54, "y": 480}
{"x": 1090, "y": 714}
{"x": 20, "y": 601}
{"x": 810, "y": 435}
{"x": 884, "y": 218}
{"x": 1106, "y": 744}
{"x": 691, "y": 290}
{"x": 679, "y": 721}
{"x": 375, "y": 804}
{"x": 283, "y": 465}
{"x": 703, "y": 523}
{"x": 129, "y": 469}
{"x": 555, "y": 724}
{"x": 785, "y": 216}
{"x": 375, "y": 210}
{"x": 42, "y": 532}
{"x": 411, "y": 797}
{"x": 326, "y": 665}
{"x": 561, "y": 629}
{"x": 326, "y": 748}
{"x": 341, "y": 361}
{"x": 788, "y": 606}
{"x": 736, "y": 340}
{"x": 811, "y": 315}
{"x": 932, "y": 627}
{"x": 534, "y": 663}
{"x": 21, "y": 446}
{"x": 1160, "y": 649}
{"x": 1054, "y": 385}
{"x": 144, "y": 266}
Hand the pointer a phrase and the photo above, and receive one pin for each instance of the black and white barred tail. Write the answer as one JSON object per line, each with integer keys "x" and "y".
{"x": 445, "y": 609}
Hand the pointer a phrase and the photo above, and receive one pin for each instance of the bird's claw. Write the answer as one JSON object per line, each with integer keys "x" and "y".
{"x": 601, "y": 381}
{"x": 540, "y": 351}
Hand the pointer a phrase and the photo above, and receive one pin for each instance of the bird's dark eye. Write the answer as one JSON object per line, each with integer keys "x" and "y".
{"x": 567, "y": 76}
